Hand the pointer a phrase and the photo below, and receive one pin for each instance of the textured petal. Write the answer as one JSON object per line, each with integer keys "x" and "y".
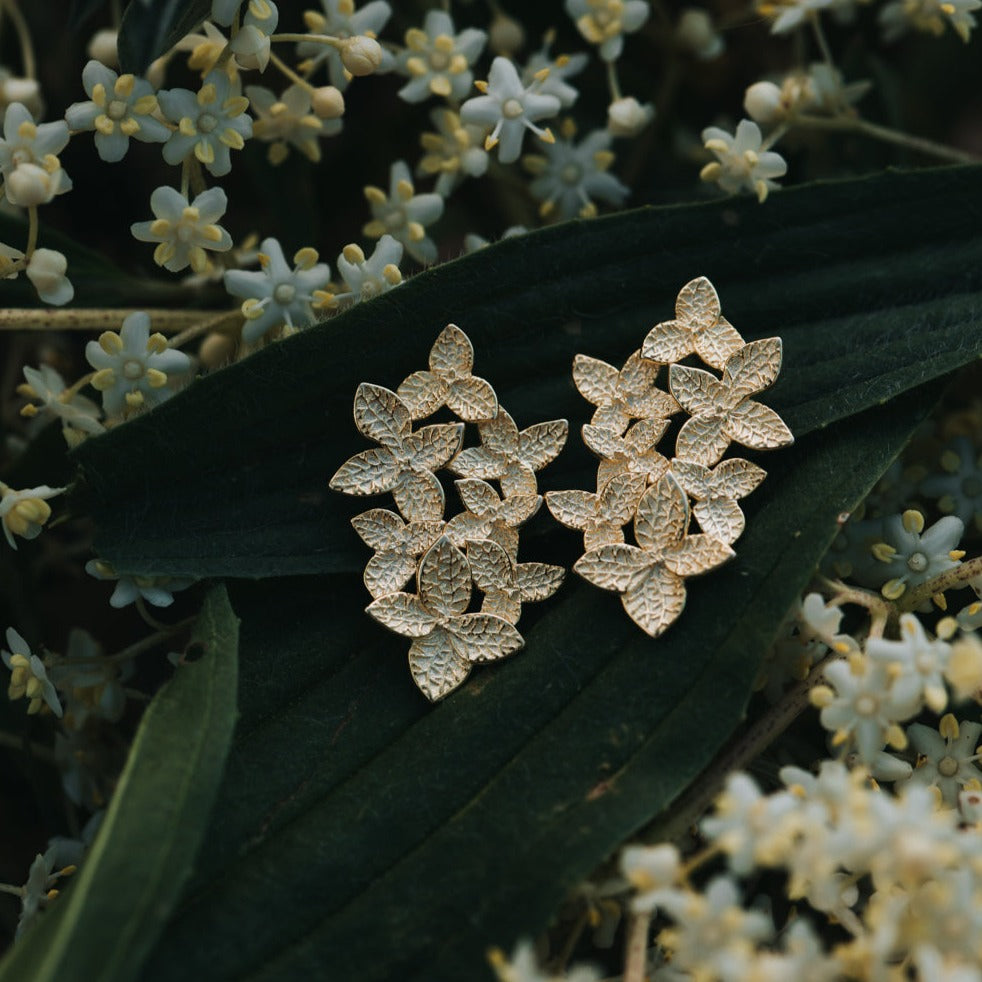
{"x": 423, "y": 393}
{"x": 613, "y": 567}
{"x": 718, "y": 343}
{"x": 472, "y": 399}
{"x": 696, "y": 390}
{"x": 419, "y": 496}
{"x": 503, "y": 605}
{"x": 607, "y": 534}
{"x": 431, "y": 447}
{"x": 381, "y": 415}
{"x": 693, "y": 478}
{"x": 753, "y": 368}
{"x": 667, "y": 342}
{"x": 662, "y": 517}
{"x": 620, "y": 496}
{"x": 500, "y": 433}
{"x": 595, "y": 379}
{"x": 575, "y": 509}
{"x": 436, "y": 667}
{"x": 702, "y": 439}
{"x": 656, "y": 601}
{"x": 452, "y": 353}
{"x": 404, "y": 614}
{"x": 518, "y": 479}
{"x": 697, "y": 305}
{"x": 478, "y": 496}
{"x": 757, "y": 426}
{"x": 388, "y": 572}
{"x": 445, "y": 579}
{"x": 698, "y": 554}
{"x": 537, "y": 581}
{"x": 736, "y": 477}
{"x": 491, "y": 567}
{"x": 519, "y": 508}
{"x": 721, "y": 518}
{"x": 483, "y": 637}
{"x": 478, "y": 462}
{"x": 605, "y": 443}
{"x": 369, "y": 472}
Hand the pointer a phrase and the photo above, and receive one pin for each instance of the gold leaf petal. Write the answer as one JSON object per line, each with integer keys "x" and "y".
{"x": 538, "y": 581}
{"x": 478, "y": 496}
{"x": 372, "y": 471}
{"x": 716, "y": 344}
{"x": 478, "y": 462}
{"x": 662, "y": 517}
{"x": 736, "y": 478}
{"x": 404, "y": 614}
{"x": 445, "y": 579}
{"x": 757, "y": 426}
{"x": 431, "y": 447}
{"x": 721, "y": 518}
{"x": 613, "y": 567}
{"x": 603, "y": 442}
{"x": 656, "y": 601}
{"x": 695, "y": 479}
{"x": 606, "y": 534}
{"x": 379, "y": 528}
{"x": 381, "y": 415}
{"x": 503, "y": 605}
{"x": 595, "y": 379}
{"x": 575, "y": 509}
{"x": 472, "y": 399}
{"x": 620, "y": 496}
{"x": 753, "y": 368}
{"x": 452, "y": 354}
{"x": 696, "y": 390}
{"x": 702, "y": 439}
{"x": 697, "y": 305}
{"x": 541, "y": 443}
{"x": 517, "y": 509}
{"x": 491, "y": 567}
{"x": 518, "y": 479}
{"x": 388, "y": 572}
{"x": 698, "y": 554}
{"x": 436, "y": 666}
{"x": 423, "y": 393}
{"x": 483, "y": 637}
{"x": 419, "y": 496}
{"x": 500, "y": 434}
{"x": 667, "y": 342}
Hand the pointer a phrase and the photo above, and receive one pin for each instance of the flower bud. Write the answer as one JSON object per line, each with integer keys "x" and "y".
{"x": 327, "y": 102}
{"x": 361, "y": 55}
{"x": 627, "y": 117}
{"x": 763, "y": 102}
{"x": 216, "y": 350}
{"x": 29, "y": 185}
{"x": 102, "y": 47}
{"x": 23, "y": 90}
{"x": 505, "y": 35}
{"x": 695, "y": 32}
{"x": 46, "y": 270}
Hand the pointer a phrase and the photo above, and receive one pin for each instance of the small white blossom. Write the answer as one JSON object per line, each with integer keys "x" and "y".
{"x": 930, "y": 16}
{"x": 45, "y": 385}
{"x": 791, "y": 14}
{"x": 946, "y": 756}
{"x": 917, "y": 664}
{"x": 210, "y": 123}
{"x": 555, "y": 71}
{"x": 184, "y": 230}
{"x": 367, "y": 278}
{"x": 523, "y": 967}
{"x": 569, "y": 176}
{"x": 29, "y": 160}
{"x": 132, "y": 367}
{"x": 820, "y": 90}
{"x": 509, "y": 108}
{"x": 251, "y": 44}
{"x": 605, "y": 22}
{"x": 454, "y": 151}
{"x": 741, "y": 164}
{"x": 39, "y": 888}
{"x": 404, "y": 214}
{"x": 276, "y": 294}
{"x": 119, "y": 107}
{"x": 104, "y": 46}
{"x": 156, "y": 590}
{"x": 341, "y": 20}
{"x": 437, "y": 61}
{"x": 28, "y": 677}
{"x": 909, "y": 556}
{"x": 654, "y": 871}
{"x": 473, "y": 242}
{"x": 627, "y": 117}
{"x": 23, "y": 90}
{"x": 46, "y": 270}
{"x": 288, "y": 121}
{"x": 24, "y": 512}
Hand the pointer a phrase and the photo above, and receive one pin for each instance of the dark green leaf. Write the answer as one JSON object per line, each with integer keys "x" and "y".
{"x": 360, "y": 835}
{"x": 244, "y": 456}
{"x": 151, "y": 27}
{"x": 109, "y": 919}
{"x": 81, "y": 12}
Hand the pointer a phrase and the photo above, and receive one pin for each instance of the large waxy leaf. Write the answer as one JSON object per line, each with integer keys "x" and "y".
{"x": 864, "y": 311}
{"x": 106, "y": 923}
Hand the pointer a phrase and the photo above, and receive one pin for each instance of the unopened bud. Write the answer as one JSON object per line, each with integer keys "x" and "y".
{"x": 29, "y": 185}
{"x": 505, "y": 35}
{"x": 627, "y": 117}
{"x": 102, "y": 47}
{"x": 216, "y": 350}
{"x": 763, "y": 102}
{"x": 695, "y": 32}
{"x": 23, "y": 90}
{"x": 46, "y": 270}
{"x": 361, "y": 55}
{"x": 327, "y": 102}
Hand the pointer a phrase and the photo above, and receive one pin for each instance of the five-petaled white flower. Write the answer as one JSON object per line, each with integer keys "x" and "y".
{"x": 278, "y": 295}
{"x": 437, "y": 61}
{"x": 28, "y": 677}
{"x": 119, "y": 107}
{"x": 510, "y": 108}
{"x": 453, "y": 152}
{"x": 210, "y": 122}
{"x": 288, "y": 121}
{"x": 605, "y": 22}
{"x": 947, "y": 756}
{"x": 404, "y": 214}
{"x": 251, "y": 43}
{"x": 367, "y": 278}
{"x": 741, "y": 162}
{"x": 132, "y": 366}
{"x": 185, "y": 230}
{"x": 29, "y": 161}
{"x": 911, "y": 555}
{"x": 46, "y": 385}
{"x": 24, "y": 512}
{"x": 155, "y": 590}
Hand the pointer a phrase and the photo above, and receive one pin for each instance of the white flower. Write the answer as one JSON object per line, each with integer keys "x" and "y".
{"x": 48, "y": 387}
{"x": 473, "y": 242}
{"x": 605, "y": 22}
{"x": 627, "y": 117}
{"x": 276, "y": 294}
{"x": 32, "y": 149}
{"x": 120, "y": 107}
{"x": 403, "y": 214}
{"x": 251, "y": 43}
{"x": 696, "y": 33}
{"x": 367, "y": 278}
{"x": 552, "y": 73}
{"x": 104, "y": 47}
{"x": 210, "y": 123}
{"x": 523, "y": 967}
{"x": 453, "y": 152}
{"x": 741, "y": 164}
{"x": 916, "y": 664}
{"x": 24, "y": 512}
{"x": 930, "y": 16}
{"x": 437, "y": 61}
{"x": 156, "y": 590}
{"x": 132, "y": 366}
{"x": 28, "y": 677}
{"x": 820, "y": 90}
{"x": 509, "y": 107}
{"x": 23, "y": 90}
{"x": 185, "y": 230}
{"x": 288, "y": 120}
{"x": 654, "y": 871}
{"x": 569, "y": 176}
{"x": 791, "y": 14}
{"x": 46, "y": 270}
{"x": 341, "y": 20}
{"x": 910, "y": 556}
{"x": 946, "y": 756}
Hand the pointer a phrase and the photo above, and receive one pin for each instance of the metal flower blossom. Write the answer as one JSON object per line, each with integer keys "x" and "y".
{"x": 716, "y": 491}
{"x": 633, "y": 453}
{"x": 448, "y": 642}
{"x": 489, "y": 516}
{"x": 621, "y": 396}
{"x": 722, "y": 410}
{"x": 405, "y": 461}
{"x": 650, "y": 576}
{"x": 398, "y": 547}
{"x": 601, "y": 517}
{"x": 507, "y": 584}
{"x": 511, "y": 457}
{"x": 449, "y": 382}
{"x": 698, "y": 327}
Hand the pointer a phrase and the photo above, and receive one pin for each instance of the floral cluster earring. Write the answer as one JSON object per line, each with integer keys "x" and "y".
{"x": 445, "y": 559}
{"x": 636, "y": 482}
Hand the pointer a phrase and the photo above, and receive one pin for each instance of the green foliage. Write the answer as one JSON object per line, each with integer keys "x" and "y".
{"x": 360, "y": 833}
{"x": 107, "y": 922}
{"x": 151, "y": 27}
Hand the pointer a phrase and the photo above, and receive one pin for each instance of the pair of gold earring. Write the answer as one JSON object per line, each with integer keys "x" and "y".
{"x": 635, "y": 484}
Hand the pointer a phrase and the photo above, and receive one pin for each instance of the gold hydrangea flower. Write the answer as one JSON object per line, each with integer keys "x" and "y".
{"x": 633, "y": 453}
{"x": 507, "y": 584}
{"x": 488, "y": 516}
{"x": 601, "y": 517}
{"x": 716, "y": 491}
{"x": 398, "y": 546}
